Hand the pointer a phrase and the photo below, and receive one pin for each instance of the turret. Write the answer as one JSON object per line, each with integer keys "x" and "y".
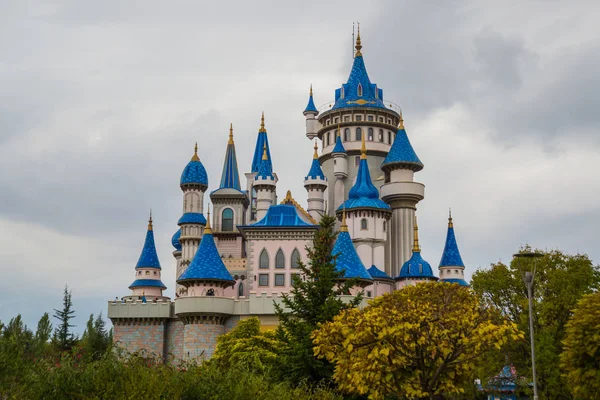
{"x": 340, "y": 158}
{"x": 264, "y": 185}
{"x": 402, "y": 194}
{"x": 311, "y": 112}
{"x": 148, "y": 281}
{"x": 416, "y": 269}
{"x": 194, "y": 182}
{"x": 316, "y": 184}
{"x": 452, "y": 268}
{"x": 368, "y": 216}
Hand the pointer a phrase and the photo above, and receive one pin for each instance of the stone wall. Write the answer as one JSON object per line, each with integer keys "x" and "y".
{"x": 140, "y": 335}
{"x": 174, "y": 340}
{"x": 200, "y": 337}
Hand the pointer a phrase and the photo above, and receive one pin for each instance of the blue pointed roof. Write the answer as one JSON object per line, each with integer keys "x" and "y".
{"x": 315, "y": 168}
{"x": 175, "y": 240}
{"x": 376, "y": 273}
{"x": 363, "y": 194}
{"x": 147, "y": 283}
{"x": 149, "y": 258}
{"x": 347, "y": 260}
{"x": 230, "y": 177}
{"x": 451, "y": 256}
{"x": 310, "y": 107}
{"x": 194, "y": 172}
{"x": 402, "y": 153}
{"x": 282, "y": 215}
{"x": 416, "y": 268}
{"x": 261, "y": 141}
{"x": 207, "y": 264}
{"x": 349, "y": 95}
{"x": 339, "y": 147}
{"x": 192, "y": 218}
{"x": 265, "y": 171}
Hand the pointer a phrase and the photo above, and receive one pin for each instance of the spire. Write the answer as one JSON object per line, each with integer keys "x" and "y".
{"x": 230, "y": 177}
{"x": 230, "y": 133}
{"x": 450, "y": 224}
{"x": 150, "y": 221}
{"x": 339, "y": 147}
{"x": 416, "y": 247}
{"x": 402, "y": 155}
{"x": 347, "y": 260}
{"x": 261, "y": 141}
{"x": 195, "y": 156}
{"x": 149, "y": 258}
{"x": 363, "y": 149}
{"x": 310, "y": 94}
{"x": 265, "y": 157}
{"x": 310, "y": 107}
{"x": 451, "y": 255}
{"x": 358, "y": 44}
{"x": 262, "y": 123}
{"x": 207, "y": 230}
{"x": 401, "y": 124}
{"x": 315, "y": 171}
{"x": 316, "y": 155}
{"x": 344, "y": 226}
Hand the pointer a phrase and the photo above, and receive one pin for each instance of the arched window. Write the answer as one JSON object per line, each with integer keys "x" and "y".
{"x": 363, "y": 224}
{"x": 279, "y": 259}
{"x": 264, "y": 259}
{"x": 381, "y": 135}
{"x": 295, "y": 258}
{"x": 358, "y": 134}
{"x": 346, "y": 135}
{"x": 227, "y": 220}
{"x": 241, "y": 289}
{"x": 389, "y": 137}
{"x": 370, "y": 134}
{"x": 328, "y": 138}
{"x": 384, "y": 223}
{"x": 359, "y": 89}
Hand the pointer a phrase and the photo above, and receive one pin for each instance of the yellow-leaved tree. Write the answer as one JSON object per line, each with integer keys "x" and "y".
{"x": 417, "y": 343}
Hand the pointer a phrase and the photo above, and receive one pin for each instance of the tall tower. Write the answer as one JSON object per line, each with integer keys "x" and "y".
{"x": 148, "y": 281}
{"x": 367, "y": 216}
{"x": 452, "y": 268}
{"x": 316, "y": 184}
{"x": 340, "y": 171}
{"x": 264, "y": 185}
{"x": 311, "y": 112}
{"x": 359, "y": 110}
{"x": 415, "y": 269}
{"x": 229, "y": 207}
{"x": 402, "y": 193}
{"x": 193, "y": 183}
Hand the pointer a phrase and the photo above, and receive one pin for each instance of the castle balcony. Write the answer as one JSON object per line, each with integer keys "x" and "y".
{"x": 204, "y": 305}
{"x": 139, "y": 310}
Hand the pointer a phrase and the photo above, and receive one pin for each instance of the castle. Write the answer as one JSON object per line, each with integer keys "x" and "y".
{"x": 239, "y": 263}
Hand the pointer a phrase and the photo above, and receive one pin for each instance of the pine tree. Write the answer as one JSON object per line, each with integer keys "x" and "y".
{"x": 43, "y": 332}
{"x": 63, "y": 337}
{"x": 314, "y": 299}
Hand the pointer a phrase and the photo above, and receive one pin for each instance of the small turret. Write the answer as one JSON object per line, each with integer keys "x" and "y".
{"x": 452, "y": 268}
{"x": 416, "y": 268}
{"x": 264, "y": 185}
{"x": 147, "y": 270}
{"x": 340, "y": 157}
{"x": 316, "y": 184}
{"x": 311, "y": 112}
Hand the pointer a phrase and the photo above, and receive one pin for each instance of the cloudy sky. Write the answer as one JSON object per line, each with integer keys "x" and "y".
{"x": 101, "y": 103}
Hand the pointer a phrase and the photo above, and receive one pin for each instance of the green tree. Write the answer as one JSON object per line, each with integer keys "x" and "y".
{"x": 560, "y": 281}
{"x": 95, "y": 340}
{"x": 420, "y": 342}
{"x": 42, "y": 333}
{"x": 313, "y": 300}
{"x": 580, "y": 358}
{"x": 63, "y": 337}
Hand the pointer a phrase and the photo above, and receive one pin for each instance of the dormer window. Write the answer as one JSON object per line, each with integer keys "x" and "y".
{"x": 376, "y": 92}
{"x": 342, "y": 92}
{"x": 359, "y": 90}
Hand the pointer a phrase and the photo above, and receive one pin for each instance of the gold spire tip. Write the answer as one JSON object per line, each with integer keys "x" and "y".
{"x": 207, "y": 227}
{"x": 358, "y": 46}
{"x": 230, "y": 133}
{"x": 316, "y": 155}
{"x": 311, "y": 90}
{"x": 195, "y": 156}
{"x": 363, "y": 148}
{"x": 450, "y": 223}
{"x": 262, "y": 123}
{"x": 150, "y": 221}
{"x": 265, "y": 156}
{"x": 416, "y": 247}
{"x": 401, "y": 124}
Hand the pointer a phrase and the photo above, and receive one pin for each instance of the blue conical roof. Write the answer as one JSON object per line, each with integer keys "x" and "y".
{"x": 363, "y": 194}
{"x": 315, "y": 171}
{"x": 402, "y": 153}
{"x": 376, "y": 273}
{"x": 230, "y": 178}
{"x": 348, "y": 260}
{"x": 451, "y": 256}
{"x": 265, "y": 171}
{"x": 194, "y": 172}
{"x": 261, "y": 141}
{"x": 310, "y": 107}
{"x": 148, "y": 258}
{"x": 207, "y": 264}
{"x": 339, "y": 147}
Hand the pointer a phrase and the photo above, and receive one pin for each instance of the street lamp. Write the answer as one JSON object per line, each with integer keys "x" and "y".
{"x": 528, "y": 280}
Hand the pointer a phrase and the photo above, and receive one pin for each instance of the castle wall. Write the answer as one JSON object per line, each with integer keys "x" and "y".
{"x": 200, "y": 337}
{"x": 174, "y": 340}
{"x": 140, "y": 335}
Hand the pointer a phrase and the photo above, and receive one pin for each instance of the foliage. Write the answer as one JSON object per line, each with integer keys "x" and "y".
{"x": 581, "y": 355}
{"x": 42, "y": 334}
{"x": 560, "y": 281}
{"x": 417, "y": 343}
{"x": 63, "y": 337}
{"x": 246, "y": 346}
{"x": 96, "y": 339}
{"x": 313, "y": 300}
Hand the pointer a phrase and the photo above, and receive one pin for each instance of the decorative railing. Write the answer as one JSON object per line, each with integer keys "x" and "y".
{"x": 390, "y": 105}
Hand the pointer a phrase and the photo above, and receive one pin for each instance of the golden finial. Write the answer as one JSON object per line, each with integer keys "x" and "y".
{"x": 401, "y": 124}
{"x": 207, "y": 227}
{"x": 450, "y": 223}
{"x": 195, "y": 156}
{"x": 262, "y": 123}
{"x": 315, "y": 156}
{"x": 363, "y": 148}
{"x": 344, "y": 226}
{"x": 311, "y": 90}
{"x": 230, "y": 133}
{"x": 265, "y": 157}
{"x": 416, "y": 247}
{"x": 358, "y": 44}
{"x": 150, "y": 221}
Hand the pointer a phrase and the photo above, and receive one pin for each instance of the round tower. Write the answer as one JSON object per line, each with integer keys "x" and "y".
{"x": 311, "y": 112}
{"x": 402, "y": 193}
{"x": 204, "y": 306}
{"x": 264, "y": 186}
{"x": 340, "y": 171}
{"x": 416, "y": 269}
{"x": 148, "y": 284}
{"x": 316, "y": 184}
{"x": 452, "y": 268}
{"x": 193, "y": 183}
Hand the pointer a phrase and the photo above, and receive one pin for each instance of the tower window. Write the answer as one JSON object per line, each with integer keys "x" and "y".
{"x": 279, "y": 279}
{"x": 358, "y": 134}
{"x": 227, "y": 220}
{"x": 263, "y": 279}
{"x": 370, "y": 118}
{"x": 346, "y": 118}
{"x": 360, "y": 91}
{"x": 279, "y": 259}
{"x": 264, "y": 259}
{"x": 420, "y": 268}
{"x": 359, "y": 118}
{"x": 241, "y": 289}
{"x": 384, "y": 225}
{"x": 381, "y": 135}
{"x": 147, "y": 272}
{"x": 356, "y": 160}
{"x": 370, "y": 134}
{"x": 295, "y": 258}
{"x": 346, "y": 135}
{"x": 328, "y": 133}
{"x": 336, "y": 120}
{"x": 381, "y": 119}
{"x": 364, "y": 224}
{"x": 389, "y": 137}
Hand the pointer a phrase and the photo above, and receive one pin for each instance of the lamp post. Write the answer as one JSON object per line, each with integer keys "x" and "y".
{"x": 528, "y": 280}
